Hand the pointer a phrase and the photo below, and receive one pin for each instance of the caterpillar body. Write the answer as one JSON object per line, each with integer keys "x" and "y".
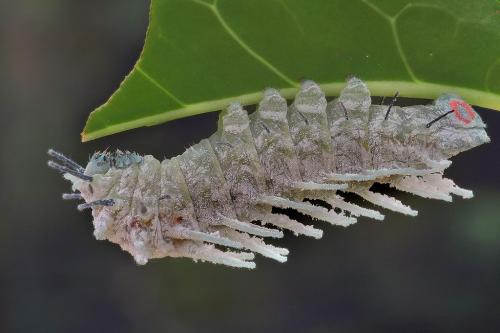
{"x": 214, "y": 202}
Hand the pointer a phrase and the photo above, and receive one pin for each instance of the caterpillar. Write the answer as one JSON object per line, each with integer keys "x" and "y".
{"x": 214, "y": 202}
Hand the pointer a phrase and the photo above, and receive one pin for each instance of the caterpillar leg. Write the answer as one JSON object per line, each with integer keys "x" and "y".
{"x": 283, "y": 221}
{"x": 256, "y": 244}
{"x": 355, "y": 210}
{"x": 386, "y": 201}
{"x": 317, "y": 212}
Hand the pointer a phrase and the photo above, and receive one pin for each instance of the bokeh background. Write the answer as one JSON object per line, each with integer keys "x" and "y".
{"x": 59, "y": 59}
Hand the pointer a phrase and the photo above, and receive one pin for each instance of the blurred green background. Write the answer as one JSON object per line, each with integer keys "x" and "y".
{"x": 59, "y": 59}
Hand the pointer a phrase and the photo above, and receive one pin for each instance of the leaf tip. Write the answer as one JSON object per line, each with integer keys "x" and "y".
{"x": 88, "y": 134}
{"x": 84, "y": 137}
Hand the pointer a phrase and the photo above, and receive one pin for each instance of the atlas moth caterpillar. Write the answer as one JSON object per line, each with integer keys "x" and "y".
{"x": 214, "y": 202}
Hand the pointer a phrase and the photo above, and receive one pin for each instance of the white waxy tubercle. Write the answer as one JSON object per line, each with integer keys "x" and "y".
{"x": 184, "y": 233}
{"x": 355, "y": 210}
{"x": 315, "y": 212}
{"x": 283, "y": 221}
{"x": 447, "y": 185}
{"x": 257, "y": 245}
{"x": 311, "y": 186}
{"x": 387, "y": 202}
{"x": 250, "y": 228}
{"x": 418, "y": 186}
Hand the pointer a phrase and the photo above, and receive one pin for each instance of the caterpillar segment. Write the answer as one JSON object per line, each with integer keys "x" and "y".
{"x": 274, "y": 144}
{"x": 309, "y": 131}
{"x": 215, "y": 201}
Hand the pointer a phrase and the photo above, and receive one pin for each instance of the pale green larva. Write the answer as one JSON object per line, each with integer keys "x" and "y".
{"x": 219, "y": 194}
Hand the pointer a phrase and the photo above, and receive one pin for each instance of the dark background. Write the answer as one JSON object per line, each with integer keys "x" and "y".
{"x": 59, "y": 59}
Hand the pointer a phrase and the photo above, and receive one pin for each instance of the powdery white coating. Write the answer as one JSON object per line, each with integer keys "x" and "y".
{"x": 212, "y": 196}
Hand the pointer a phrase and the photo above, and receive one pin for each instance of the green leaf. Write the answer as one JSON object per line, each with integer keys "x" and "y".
{"x": 201, "y": 55}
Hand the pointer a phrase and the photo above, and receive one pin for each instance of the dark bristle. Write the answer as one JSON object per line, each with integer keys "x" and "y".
{"x": 72, "y": 196}
{"x": 394, "y": 99}
{"x": 64, "y": 169}
{"x": 438, "y": 118}
{"x": 304, "y": 118}
{"x": 265, "y": 127}
{"x": 345, "y": 110}
{"x": 102, "y": 202}
{"x": 164, "y": 196}
{"x": 66, "y": 161}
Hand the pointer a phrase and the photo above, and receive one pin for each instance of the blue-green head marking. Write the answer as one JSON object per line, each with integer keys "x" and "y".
{"x": 101, "y": 162}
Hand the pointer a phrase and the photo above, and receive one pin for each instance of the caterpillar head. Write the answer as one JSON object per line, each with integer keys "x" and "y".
{"x": 454, "y": 126}
{"x": 93, "y": 183}
{"x": 101, "y": 162}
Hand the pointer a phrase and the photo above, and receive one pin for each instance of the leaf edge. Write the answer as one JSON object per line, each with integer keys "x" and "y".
{"x": 408, "y": 89}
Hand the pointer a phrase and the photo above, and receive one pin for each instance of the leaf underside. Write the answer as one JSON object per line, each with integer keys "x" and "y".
{"x": 199, "y": 56}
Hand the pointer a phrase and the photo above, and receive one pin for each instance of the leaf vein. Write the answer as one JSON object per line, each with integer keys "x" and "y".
{"x": 159, "y": 85}
{"x": 292, "y": 16}
{"x": 489, "y": 73}
{"x": 395, "y": 34}
{"x": 248, "y": 49}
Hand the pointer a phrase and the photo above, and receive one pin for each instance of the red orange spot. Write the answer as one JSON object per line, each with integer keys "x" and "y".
{"x": 465, "y": 118}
